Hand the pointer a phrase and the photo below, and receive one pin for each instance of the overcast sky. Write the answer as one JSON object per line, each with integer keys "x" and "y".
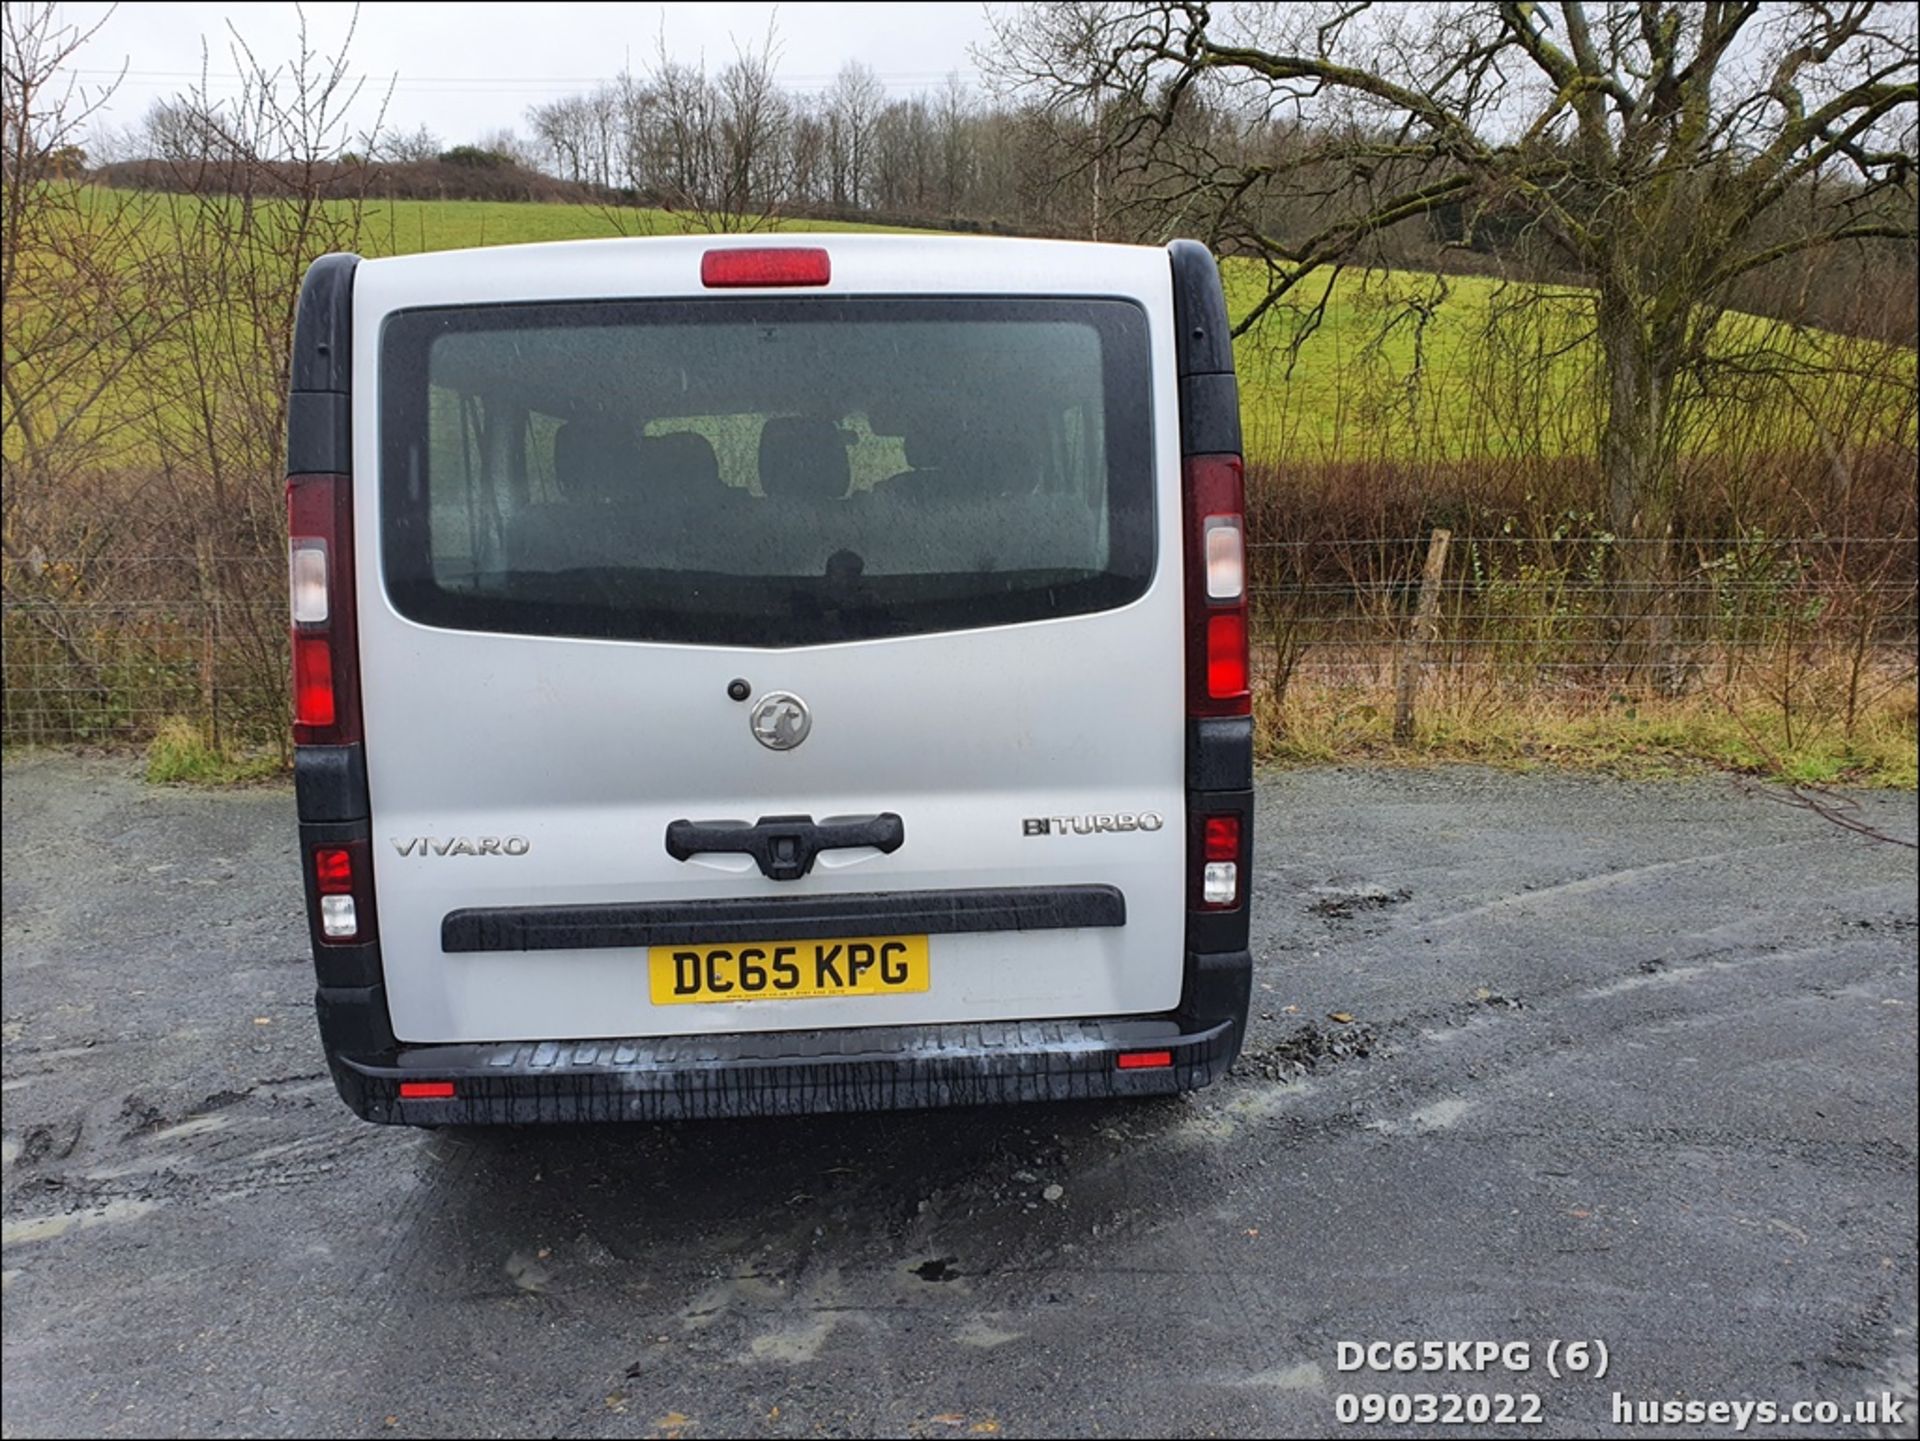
{"x": 465, "y": 69}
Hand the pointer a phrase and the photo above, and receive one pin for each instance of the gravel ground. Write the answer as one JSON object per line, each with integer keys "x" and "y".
{"x": 1633, "y": 1062}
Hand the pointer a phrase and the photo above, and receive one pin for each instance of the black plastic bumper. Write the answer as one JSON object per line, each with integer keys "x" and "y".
{"x": 784, "y": 1073}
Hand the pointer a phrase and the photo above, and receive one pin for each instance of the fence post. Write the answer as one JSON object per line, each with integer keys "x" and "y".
{"x": 1426, "y": 629}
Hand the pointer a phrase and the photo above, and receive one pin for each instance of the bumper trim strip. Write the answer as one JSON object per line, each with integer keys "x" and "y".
{"x": 799, "y": 918}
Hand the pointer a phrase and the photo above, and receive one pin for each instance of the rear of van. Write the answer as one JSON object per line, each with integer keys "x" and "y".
{"x": 764, "y": 675}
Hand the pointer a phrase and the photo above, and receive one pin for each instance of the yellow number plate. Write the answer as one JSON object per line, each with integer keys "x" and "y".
{"x": 787, "y": 970}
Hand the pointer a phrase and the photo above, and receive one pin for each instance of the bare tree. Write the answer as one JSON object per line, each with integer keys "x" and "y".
{"x": 904, "y": 151}
{"x": 955, "y": 123}
{"x": 579, "y": 135}
{"x": 853, "y": 106}
{"x": 78, "y": 313}
{"x": 712, "y": 150}
{"x": 508, "y": 143}
{"x": 263, "y": 184}
{"x": 1646, "y": 145}
{"x": 754, "y": 118}
{"x": 807, "y": 181}
{"x": 409, "y": 147}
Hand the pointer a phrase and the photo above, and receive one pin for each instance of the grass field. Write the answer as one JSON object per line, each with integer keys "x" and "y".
{"x": 1363, "y": 365}
{"x": 1373, "y": 363}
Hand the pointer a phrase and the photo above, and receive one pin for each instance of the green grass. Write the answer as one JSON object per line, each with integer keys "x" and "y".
{"x": 179, "y": 753}
{"x": 1365, "y": 365}
{"x": 1394, "y": 363}
{"x": 1404, "y": 364}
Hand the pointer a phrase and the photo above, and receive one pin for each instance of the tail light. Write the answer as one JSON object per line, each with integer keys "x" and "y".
{"x": 341, "y": 873}
{"x": 772, "y": 265}
{"x": 326, "y": 668}
{"x": 1220, "y": 838}
{"x": 1216, "y": 525}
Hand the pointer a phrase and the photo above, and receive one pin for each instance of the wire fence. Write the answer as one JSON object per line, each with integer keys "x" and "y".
{"x": 103, "y": 649}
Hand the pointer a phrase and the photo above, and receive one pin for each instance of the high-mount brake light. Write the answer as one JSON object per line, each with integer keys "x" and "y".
{"x": 768, "y": 265}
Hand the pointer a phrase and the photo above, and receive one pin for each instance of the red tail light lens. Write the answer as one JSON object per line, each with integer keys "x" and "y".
{"x": 1217, "y": 667}
{"x": 1222, "y": 838}
{"x": 333, "y": 871}
{"x": 782, "y": 265}
{"x": 1227, "y": 656}
{"x": 326, "y": 666}
{"x": 312, "y": 681}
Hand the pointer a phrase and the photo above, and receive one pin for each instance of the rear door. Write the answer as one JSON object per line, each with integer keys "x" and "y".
{"x": 924, "y": 518}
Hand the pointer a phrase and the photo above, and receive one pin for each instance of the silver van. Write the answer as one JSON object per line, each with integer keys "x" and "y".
{"x": 753, "y": 675}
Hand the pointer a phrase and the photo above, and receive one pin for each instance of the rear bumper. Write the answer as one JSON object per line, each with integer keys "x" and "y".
{"x": 785, "y": 1073}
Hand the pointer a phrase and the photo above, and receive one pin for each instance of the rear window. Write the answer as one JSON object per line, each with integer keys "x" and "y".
{"x": 765, "y": 472}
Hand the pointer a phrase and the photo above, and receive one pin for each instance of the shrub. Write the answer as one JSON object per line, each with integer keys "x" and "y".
{"x": 473, "y": 157}
{"x": 179, "y": 752}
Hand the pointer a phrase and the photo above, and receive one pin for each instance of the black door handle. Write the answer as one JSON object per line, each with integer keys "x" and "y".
{"x": 784, "y": 847}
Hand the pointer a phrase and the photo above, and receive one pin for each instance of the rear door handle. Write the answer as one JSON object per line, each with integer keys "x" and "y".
{"x": 784, "y": 847}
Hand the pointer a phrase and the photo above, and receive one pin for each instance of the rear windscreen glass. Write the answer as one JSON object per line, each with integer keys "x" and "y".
{"x": 764, "y": 472}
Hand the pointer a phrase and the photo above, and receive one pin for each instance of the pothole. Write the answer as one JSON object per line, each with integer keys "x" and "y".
{"x": 939, "y": 1269}
{"x": 1342, "y": 903}
{"x": 1310, "y": 1048}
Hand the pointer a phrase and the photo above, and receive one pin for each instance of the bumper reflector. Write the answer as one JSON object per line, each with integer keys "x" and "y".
{"x": 426, "y": 1090}
{"x": 1144, "y": 1060}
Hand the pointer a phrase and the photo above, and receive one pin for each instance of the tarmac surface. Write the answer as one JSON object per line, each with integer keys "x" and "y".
{"x": 1534, "y": 1058}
